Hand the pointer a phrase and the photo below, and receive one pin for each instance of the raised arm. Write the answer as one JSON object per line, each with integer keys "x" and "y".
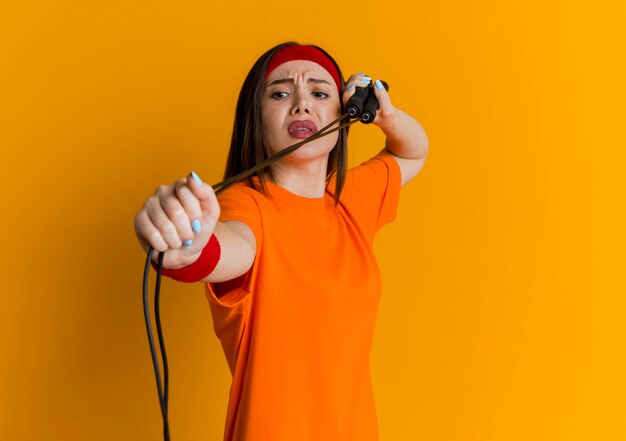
{"x": 406, "y": 139}
{"x": 407, "y": 142}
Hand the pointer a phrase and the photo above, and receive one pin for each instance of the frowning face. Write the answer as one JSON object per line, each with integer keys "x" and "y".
{"x": 299, "y": 98}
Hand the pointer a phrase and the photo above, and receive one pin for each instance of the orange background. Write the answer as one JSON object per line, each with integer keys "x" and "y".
{"x": 502, "y": 315}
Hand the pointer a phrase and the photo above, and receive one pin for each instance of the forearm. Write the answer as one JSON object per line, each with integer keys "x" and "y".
{"x": 405, "y": 136}
{"x": 237, "y": 248}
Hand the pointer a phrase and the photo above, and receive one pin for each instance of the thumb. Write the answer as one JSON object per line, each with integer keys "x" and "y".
{"x": 206, "y": 196}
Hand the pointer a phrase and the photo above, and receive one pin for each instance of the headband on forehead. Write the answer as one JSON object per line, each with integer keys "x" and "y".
{"x": 301, "y": 52}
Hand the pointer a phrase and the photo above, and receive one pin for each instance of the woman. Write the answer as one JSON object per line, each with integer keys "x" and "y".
{"x": 286, "y": 256}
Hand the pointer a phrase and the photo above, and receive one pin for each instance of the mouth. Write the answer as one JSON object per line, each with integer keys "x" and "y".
{"x": 302, "y": 129}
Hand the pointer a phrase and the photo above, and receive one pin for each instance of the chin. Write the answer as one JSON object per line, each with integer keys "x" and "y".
{"x": 314, "y": 149}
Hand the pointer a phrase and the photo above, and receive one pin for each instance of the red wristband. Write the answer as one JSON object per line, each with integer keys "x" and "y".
{"x": 202, "y": 267}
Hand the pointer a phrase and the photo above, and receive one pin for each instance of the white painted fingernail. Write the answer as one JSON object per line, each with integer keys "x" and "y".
{"x": 196, "y": 178}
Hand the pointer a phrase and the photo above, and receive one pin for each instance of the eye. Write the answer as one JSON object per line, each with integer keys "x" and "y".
{"x": 323, "y": 95}
{"x": 275, "y": 95}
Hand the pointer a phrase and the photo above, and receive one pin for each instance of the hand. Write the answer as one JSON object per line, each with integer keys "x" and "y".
{"x": 180, "y": 219}
{"x": 386, "y": 114}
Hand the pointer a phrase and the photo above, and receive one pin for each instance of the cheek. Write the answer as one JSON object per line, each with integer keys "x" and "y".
{"x": 334, "y": 110}
{"x": 271, "y": 127}
{"x": 271, "y": 113}
{"x": 267, "y": 119}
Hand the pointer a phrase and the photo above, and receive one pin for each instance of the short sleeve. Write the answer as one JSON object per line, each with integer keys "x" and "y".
{"x": 237, "y": 203}
{"x": 372, "y": 191}
{"x": 230, "y": 301}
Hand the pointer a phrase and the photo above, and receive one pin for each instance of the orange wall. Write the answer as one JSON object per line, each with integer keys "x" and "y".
{"x": 502, "y": 315}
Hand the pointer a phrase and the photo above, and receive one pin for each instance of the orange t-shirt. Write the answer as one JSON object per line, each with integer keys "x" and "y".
{"x": 297, "y": 330}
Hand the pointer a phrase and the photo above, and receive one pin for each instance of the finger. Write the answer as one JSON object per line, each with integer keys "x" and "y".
{"x": 162, "y": 222}
{"x": 147, "y": 233}
{"x": 383, "y": 97}
{"x": 191, "y": 204}
{"x": 179, "y": 217}
{"x": 206, "y": 196}
{"x": 363, "y": 80}
{"x": 353, "y": 76}
{"x": 358, "y": 80}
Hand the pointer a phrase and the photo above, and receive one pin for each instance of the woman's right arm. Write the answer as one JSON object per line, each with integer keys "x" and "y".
{"x": 188, "y": 211}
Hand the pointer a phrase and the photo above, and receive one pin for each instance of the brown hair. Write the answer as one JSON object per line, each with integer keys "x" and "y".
{"x": 248, "y": 146}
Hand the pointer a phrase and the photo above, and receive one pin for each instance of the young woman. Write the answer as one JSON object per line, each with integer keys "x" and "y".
{"x": 286, "y": 256}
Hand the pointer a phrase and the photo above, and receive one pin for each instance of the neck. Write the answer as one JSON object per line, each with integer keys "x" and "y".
{"x": 306, "y": 180}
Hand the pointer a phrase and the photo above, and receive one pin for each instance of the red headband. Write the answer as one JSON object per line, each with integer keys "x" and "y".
{"x": 301, "y": 52}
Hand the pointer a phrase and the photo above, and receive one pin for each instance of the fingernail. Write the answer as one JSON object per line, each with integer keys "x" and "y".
{"x": 187, "y": 243}
{"x": 196, "y": 178}
{"x": 351, "y": 87}
{"x": 196, "y": 226}
{"x": 366, "y": 81}
{"x": 362, "y": 73}
{"x": 378, "y": 84}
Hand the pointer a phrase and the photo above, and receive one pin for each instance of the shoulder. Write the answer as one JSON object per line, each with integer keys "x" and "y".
{"x": 371, "y": 192}
{"x": 240, "y": 195}
{"x": 240, "y": 189}
{"x": 241, "y": 203}
{"x": 380, "y": 170}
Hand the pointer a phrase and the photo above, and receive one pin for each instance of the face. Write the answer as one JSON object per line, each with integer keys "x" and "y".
{"x": 300, "y": 90}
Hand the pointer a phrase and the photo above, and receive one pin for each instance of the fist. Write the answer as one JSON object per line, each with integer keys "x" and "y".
{"x": 178, "y": 218}
{"x": 386, "y": 114}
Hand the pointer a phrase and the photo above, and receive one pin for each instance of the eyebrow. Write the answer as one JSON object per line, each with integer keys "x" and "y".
{"x": 291, "y": 80}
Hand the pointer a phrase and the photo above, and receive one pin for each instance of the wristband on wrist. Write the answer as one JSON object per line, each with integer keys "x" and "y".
{"x": 202, "y": 267}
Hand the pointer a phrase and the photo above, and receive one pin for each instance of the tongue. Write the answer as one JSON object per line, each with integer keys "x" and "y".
{"x": 301, "y": 133}
{"x": 302, "y": 126}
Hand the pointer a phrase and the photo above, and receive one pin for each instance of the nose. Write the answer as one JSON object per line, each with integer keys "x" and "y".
{"x": 301, "y": 102}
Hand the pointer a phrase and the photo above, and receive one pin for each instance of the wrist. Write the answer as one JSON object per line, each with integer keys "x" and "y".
{"x": 181, "y": 261}
{"x": 187, "y": 260}
{"x": 198, "y": 269}
{"x": 389, "y": 124}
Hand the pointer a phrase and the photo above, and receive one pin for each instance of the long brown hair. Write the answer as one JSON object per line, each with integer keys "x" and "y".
{"x": 248, "y": 146}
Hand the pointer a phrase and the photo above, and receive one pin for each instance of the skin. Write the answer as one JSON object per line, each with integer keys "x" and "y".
{"x": 164, "y": 222}
{"x": 304, "y": 171}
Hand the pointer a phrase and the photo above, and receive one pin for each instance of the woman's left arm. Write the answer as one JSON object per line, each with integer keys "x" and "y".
{"x": 406, "y": 139}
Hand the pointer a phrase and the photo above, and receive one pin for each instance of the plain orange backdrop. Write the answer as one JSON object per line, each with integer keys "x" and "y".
{"x": 502, "y": 316}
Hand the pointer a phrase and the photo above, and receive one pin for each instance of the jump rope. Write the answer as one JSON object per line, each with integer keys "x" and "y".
{"x": 362, "y": 107}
